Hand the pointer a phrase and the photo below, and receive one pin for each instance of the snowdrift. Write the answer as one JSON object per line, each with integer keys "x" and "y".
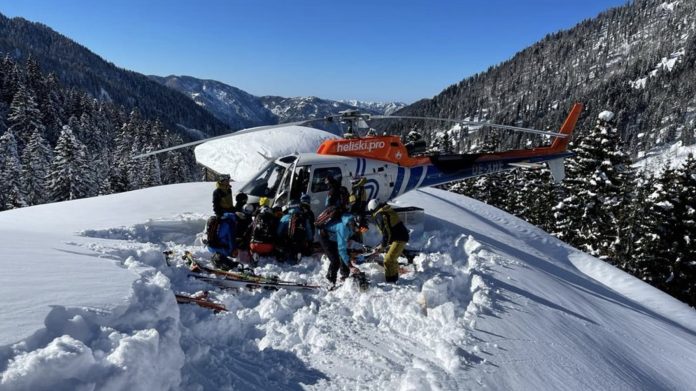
{"x": 242, "y": 156}
{"x": 491, "y": 302}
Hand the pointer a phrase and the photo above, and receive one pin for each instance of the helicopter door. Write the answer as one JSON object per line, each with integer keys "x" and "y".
{"x": 293, "y": 185}
{"x": 319, "y": 191}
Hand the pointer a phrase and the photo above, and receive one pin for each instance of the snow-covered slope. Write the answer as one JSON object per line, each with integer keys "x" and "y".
{"x": 493, "y": 303}
{"x": 673, "y": 155}
{"x": 231, "y": 105}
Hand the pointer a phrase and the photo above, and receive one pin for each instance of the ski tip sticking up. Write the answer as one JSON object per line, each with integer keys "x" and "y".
{"x": 202, "y": 300}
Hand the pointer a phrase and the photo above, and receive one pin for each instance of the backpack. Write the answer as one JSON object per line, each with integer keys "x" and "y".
{"x": 211, "y": 232}
{"x": 297, "y": 231}
{"x": 262, "y": 230}
{"x": 332, "y": 212}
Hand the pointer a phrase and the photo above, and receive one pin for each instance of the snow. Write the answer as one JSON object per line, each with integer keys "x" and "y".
{"x": 674, "y": 155}
{"x": 639, "y": 83}
{"x": 491, "y": 302}
{"x": 665, "y": 64}
{"x": 665, "y": 6}
{"x": 240, "y": 156}
{"x": 606, "y": 115}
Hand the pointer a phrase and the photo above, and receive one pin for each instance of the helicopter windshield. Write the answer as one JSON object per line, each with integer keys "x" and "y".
{"x": 266, "y": 182}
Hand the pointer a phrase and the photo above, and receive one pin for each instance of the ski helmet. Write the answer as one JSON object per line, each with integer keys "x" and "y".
{"x": 305, "y": 199}
{"x": 372, "y": 205}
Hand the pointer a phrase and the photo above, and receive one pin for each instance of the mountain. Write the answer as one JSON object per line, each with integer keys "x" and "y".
{"x": 385, "y": 108}
{"x": 77, "y": 67}
{"x": 235, "y": 107}
{"x": 240, "y": 109}
{"x": 299, "y": 108}
{"x": 638, "y": 60}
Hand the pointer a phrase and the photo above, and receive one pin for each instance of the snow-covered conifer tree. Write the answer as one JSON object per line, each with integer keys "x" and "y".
{"x": 36, "y": 163}
{"x": 70, "y": 172}
{"x": 11, "y": 194}
{"x": 597, "y": 193}
{"x": 24, "y": 117}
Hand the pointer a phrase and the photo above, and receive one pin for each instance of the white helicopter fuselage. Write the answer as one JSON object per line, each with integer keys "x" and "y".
{"x": 285, "y": 179}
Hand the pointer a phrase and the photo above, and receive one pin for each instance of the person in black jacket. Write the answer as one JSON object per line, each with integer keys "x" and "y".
{"x": 222, "y": 196}
{"x": 240, "y": 201}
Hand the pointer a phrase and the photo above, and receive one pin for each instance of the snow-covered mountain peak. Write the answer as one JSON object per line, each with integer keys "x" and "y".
{"x": 240, "y": 109}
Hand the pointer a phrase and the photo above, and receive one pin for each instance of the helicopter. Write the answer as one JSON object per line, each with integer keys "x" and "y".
{"x": 390, "y": 167}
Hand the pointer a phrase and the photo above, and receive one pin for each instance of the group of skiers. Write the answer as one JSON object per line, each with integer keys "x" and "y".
{"x": 241, "y": 232}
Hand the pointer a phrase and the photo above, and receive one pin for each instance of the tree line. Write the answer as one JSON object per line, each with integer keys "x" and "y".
{"x": 640, "y": 221}
{"x": 60, "y": 143}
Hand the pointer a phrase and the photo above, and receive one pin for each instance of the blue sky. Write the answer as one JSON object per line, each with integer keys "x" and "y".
{"x": 370, "y": 50}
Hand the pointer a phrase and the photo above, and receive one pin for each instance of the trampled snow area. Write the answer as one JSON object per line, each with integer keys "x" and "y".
{"x": 493, "y": 302}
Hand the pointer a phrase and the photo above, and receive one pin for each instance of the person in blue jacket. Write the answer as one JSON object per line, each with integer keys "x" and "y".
{"x": 224, "y": 247}
{"x": 293, "y": 233}
{"x": 334, "y": 237}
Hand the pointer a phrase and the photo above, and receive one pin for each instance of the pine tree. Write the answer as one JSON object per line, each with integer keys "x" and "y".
{"x": 25, "y": 117}
{"x": 597, "y": 194}
{"x": 36, "y": 163}
{"x": 684, "y": 234}
{"x": 536, "y": 197}
{"x": 70, "y": 172}
{"x": 11, "y": 194}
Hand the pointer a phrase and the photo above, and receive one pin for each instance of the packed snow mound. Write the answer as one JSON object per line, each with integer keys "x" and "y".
{"x": 244, "y": 155}
{"x": 490, "y": 302}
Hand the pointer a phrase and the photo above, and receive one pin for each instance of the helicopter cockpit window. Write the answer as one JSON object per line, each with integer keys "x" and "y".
{"x": 266, "y": 182}
{"x": 320, "y": 174}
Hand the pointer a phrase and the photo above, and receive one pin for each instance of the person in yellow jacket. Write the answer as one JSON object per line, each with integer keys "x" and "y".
{"x": 394, "y": 236}
{"x": 222, "y": 196}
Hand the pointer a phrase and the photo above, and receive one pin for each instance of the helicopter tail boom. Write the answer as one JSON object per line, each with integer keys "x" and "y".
{"x": 560, "y": 144}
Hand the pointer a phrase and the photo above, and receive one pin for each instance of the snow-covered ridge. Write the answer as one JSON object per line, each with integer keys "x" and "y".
{"x": 385, "y": 108}
{"x": 240, "y": 109}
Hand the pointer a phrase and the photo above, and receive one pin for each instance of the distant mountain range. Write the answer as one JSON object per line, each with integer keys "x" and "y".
{"x": 78, "y": 67}
{"x": 239, "y": 109}
{"x": 194, "y": 107}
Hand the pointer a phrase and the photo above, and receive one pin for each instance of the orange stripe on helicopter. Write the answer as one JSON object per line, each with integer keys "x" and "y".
{"x": 385, "y": 148}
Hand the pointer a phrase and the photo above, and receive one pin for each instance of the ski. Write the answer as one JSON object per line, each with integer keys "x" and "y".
{"x": 227, "y": 279}
{"x": 247, "y": 275}
{"x": 227, "y": 283}
{"x": 202, "y": 301}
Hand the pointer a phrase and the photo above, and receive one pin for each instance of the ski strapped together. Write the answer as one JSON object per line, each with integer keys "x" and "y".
{"x": 233, "y": 280}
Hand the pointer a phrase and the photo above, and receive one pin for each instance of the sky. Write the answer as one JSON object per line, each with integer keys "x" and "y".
{"x": 385, "y": 50}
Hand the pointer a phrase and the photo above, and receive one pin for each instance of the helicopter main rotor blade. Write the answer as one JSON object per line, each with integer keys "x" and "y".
{"x": 474, "y": 123}
{"x": 237, "y": 133}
